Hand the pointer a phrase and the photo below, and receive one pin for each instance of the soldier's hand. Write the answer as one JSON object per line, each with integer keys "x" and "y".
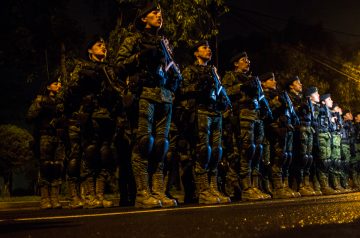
{"x": 150, "y": 53}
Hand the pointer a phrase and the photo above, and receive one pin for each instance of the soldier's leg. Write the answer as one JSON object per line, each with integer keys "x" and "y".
{"x": 246, "y": 156}
{"x": 323, "y": 163}
{"x": 344, "y": 168}
{"x": 73, "y": 166}
{"x": 46, "y": 154}
{"x": 57, "y": 172}
{"x": 279, "y": 160}
{"x": 216, "y": 157}
{"x": 203, "y": 156}
{"x": 141, "y": 153}
{"x": 161, "y": 146}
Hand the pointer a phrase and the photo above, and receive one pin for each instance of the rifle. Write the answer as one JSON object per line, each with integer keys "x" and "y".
{"x": 220, "y": 89}
{"x": 169, "y": 59}
{"x": 261, "y": 97}
{"x": 311, "y": 108}
{"x": 290, "y": 106}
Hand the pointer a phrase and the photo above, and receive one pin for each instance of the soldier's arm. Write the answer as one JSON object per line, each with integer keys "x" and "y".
{"x": 35, "y": 109}
{"x": 127, "y": 57}
{"x": 231, "y": 87}
{"x": 187, "y": 85}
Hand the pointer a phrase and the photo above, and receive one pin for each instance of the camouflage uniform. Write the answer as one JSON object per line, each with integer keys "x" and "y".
{"x": 44, "y": 113}
{"x": 303, "y": 145}
{"x": 355, "y": 160}
{"x": 199, "y": 91}
{"x": 247, "y": 131}
{"x": 91, "y": 129}
{"x": 280, "y": 135}
{"x": 143, "y": 59}
{"x": 336, "y": 153}
{"x": 323, "y": 137}
{"x": 347, "y": 132}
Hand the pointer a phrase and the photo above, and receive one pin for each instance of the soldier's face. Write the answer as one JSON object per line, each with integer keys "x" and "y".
{"x": 357, "y": 118}
{"x": 328, "y": 102}
{"x": 297, "y": 86}
{"x": 348, "y": 116}
{"x": 243, "y": 65}
{"x": 54, "y": 87}
{"x": 98, "y": 51}
{"x": 315, "y": 97}
{"x": 153, "y": 19}
{"x": 204, "y": 52}
{"x": 270, "y": 83}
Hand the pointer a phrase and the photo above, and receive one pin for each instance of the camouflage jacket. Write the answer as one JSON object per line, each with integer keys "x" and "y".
{"x": 92, "y": 90}
{"x": 244, "y": 96}
{"x": 46, "y": 113}
{"x": 147, "y": 76}
{"x": 199, "y": 88}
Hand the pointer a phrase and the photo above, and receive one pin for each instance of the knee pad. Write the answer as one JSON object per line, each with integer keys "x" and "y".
{"x": 73, "y": 168}
{"x": 145, "y": 145}
{"x": 161, "y": 148}
{"x": 46, "y": 170}
{"x": 217, "y": 153}
{"x": 106, "y": 155}
{"x": 259, "y": 151}
{"x": 182, "y": 145}
{"x": 57, "y": 169}
{"x": 310, "y": 161}
{"x": 304, "y": 161}
{"x": 204, "y": 156}
{"x": 90, "y": 153}
{"x": 250, "y": 152}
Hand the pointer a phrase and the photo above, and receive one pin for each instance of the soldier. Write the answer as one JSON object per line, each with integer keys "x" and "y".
{"x": 201, "y": 90}
{"x": 324, "y": 163}
{"x": 46, "y": 113}
{"x": 91, "y": 127}
{"x": 247, "y": 142}
{"x": 303, "y": 136}
{"x": 355, "y": 159}
{"x": 279, "y": 132}
{"x": 347, "y": 132}
{"x": 337, "y": 126}
{"x": 144, "y": 58}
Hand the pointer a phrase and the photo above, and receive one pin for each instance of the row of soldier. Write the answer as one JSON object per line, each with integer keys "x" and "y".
{"x": 239, "y": 138}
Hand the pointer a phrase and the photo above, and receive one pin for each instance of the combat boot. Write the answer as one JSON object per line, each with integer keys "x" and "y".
{"x": 279, "y": 192}
{"x": 99, "y": 190}
{"x": 75, "y": 200}
{"x": 45, "y": 198}
{"x": 232, "y": 185}
{"x": 344, "y": 183}
{"x": 267, "y": 187}
{"x": 325, "y": 188}
{"x": 337, "y": 185}
{"x": 158, "y": 190}
{"x": 308, "y": 186}
{"x": 144, "y": 198}
{"x": 215, "y": 190}
{"x": 54, "y": 196}
{"x": 255, "y": 186}
{"x": 316, "y": 186}
{"x": 304, "y": 191}
{"x": 90, "y": 198}
{"x": 247, "y": 192}
{"x": 203, "y": 189}
{"x": 288, "y": 189}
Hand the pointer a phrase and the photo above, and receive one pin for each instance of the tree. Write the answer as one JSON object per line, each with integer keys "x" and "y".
{"x": 15, "y": 153}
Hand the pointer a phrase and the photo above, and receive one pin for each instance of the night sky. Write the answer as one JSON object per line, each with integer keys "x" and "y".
{"x": 339, "y": 17}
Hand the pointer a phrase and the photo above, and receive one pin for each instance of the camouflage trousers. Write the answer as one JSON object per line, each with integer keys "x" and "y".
{"x": 323, "y": 161}
{"x": 52, "y": 156}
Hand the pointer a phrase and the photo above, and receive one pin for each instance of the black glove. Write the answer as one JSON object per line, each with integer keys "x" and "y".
{"x": 88, "y": 73}
{"x": 151, "y": 52}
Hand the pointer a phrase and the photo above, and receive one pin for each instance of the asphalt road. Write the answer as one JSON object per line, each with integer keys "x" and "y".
{"x": 331, "y": 216}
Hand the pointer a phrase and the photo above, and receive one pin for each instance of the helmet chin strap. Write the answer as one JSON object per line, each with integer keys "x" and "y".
{"x": 97, "y": 58}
